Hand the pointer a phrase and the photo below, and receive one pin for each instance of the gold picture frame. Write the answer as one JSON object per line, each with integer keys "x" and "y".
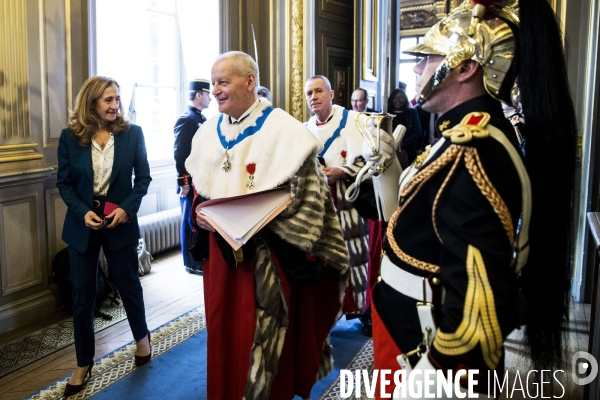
{"x": 370, "y": 50}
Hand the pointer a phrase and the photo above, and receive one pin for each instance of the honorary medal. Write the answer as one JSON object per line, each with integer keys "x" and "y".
{"x": 250, "y": 168}
{"x": 226, "y": 164}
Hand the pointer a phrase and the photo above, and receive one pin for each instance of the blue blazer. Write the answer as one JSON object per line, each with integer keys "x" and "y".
{"x": 75, "y": 182}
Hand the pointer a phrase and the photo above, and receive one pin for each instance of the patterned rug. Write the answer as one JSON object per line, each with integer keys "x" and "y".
{"x": 362, "y": 360}
{"x": 32, "y": 347}
{"x": 120, "y": 363}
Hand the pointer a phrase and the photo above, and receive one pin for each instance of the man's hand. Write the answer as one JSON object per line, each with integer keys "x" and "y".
{"x": 93, "y": 221}
{"x": 334, "y": 174}
{"x": 184, "y": 190}
{"x": 115, "y": 218}
{"x": 202, "y": 222}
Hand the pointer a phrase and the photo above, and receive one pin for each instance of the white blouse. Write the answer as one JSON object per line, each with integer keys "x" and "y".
{"x": 102, "y": 163}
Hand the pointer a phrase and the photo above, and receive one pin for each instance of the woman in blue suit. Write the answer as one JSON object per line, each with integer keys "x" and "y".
{"x": 97, "y": 155}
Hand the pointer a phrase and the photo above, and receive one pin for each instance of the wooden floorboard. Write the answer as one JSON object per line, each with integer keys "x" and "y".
{"x": 518, "y": 363}
{"x": 169, "y": 291}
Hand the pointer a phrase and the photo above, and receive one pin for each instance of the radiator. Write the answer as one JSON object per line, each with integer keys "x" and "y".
{"x": 161, "y": 230}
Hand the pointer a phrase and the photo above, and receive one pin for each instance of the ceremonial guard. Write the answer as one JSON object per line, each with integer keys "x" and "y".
{"x": 185, "y": 129}
{"x": 481, "y": 242}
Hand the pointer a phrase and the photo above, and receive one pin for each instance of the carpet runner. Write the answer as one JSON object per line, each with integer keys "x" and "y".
{"x": 178, "y": 367}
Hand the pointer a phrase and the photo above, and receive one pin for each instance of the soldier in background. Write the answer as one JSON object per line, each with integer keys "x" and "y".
{"x": 264, "y": 93}
{"x": 185, "y": 129}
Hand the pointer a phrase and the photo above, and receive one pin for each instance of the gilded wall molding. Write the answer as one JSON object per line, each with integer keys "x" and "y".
{"x": 560, "y": 9}
{"x": 18, "y": 152}
{"x": 14, "y": 89}
{"x": 422, "y": 14}
{"x": 297, "y": 58}
{"x": 370, "y": 36}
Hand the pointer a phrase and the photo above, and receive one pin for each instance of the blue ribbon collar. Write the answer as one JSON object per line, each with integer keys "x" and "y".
{"x": 249, "y": 131}
{"x": 335, "y": 134}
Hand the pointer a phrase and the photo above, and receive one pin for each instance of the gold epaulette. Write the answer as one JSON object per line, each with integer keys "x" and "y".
{"x": 471, "y": 126}
{"x": 420, "y": 159}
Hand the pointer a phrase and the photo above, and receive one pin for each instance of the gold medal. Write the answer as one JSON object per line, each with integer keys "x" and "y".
{"x": 226, "y": 164}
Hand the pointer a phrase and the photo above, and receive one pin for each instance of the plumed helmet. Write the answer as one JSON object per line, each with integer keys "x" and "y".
{"x": 476, "y": 30}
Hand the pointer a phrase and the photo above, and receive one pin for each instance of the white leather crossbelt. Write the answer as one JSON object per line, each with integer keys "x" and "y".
{"x": 404, "y": 282}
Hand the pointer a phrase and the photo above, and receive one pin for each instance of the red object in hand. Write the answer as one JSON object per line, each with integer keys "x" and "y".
{"x": 109, "y": 207}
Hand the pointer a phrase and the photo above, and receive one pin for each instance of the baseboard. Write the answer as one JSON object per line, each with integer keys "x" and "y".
{"x": 576, "y": 289}
{"x": 27, "y": 310}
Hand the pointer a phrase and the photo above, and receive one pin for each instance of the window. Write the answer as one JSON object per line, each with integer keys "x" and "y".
{"x": 142, "y": 44}
{"x": 407, "y": 62}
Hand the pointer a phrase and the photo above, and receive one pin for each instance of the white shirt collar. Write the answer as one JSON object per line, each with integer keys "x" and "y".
{"x": 244, "y": 115}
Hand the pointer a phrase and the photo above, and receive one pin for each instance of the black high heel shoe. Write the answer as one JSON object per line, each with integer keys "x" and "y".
{"x": 141, "y": 360}
{"x": 70, "y": 390}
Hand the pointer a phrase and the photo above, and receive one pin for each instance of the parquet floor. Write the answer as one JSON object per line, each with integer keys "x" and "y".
{"x": 169, "y": 291}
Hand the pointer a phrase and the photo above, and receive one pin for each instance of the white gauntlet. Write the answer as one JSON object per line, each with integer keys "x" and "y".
{"x": 387, "y": 145}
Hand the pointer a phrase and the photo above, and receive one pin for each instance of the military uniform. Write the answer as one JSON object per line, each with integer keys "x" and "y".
{"x": 185, "y": 129}
{"x": 455, "y": 228}
{"x": 472, "y": 237}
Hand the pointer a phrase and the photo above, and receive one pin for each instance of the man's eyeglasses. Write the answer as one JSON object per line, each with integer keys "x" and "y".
{"x": 357, "y": 101}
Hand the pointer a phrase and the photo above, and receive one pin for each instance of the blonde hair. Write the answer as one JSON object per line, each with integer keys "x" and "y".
{"x": 83, "y": 120}
{"x": 243, "y": 64}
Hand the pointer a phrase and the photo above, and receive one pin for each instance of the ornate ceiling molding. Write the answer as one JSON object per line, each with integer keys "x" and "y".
{"x": 420, "y": 14}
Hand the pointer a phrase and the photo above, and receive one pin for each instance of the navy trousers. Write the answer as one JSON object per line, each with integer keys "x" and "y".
{"x": 186, "y": 229}
{"x": 123, "y": 269}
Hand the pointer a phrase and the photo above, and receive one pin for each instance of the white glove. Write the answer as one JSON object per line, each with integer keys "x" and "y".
{"x": 184, "y": 190}
{"x": 387, "y": 145}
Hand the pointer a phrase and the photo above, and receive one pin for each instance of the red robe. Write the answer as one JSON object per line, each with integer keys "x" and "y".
{"x": 231, "y": 325}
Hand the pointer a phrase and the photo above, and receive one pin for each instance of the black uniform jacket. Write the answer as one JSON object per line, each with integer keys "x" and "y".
{"x": 185, "y": 129}
{"x": 459, "y": 220}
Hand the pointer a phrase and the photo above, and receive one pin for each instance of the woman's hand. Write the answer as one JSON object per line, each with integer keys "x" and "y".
{"x": 93, "y": 221}
{"x": 202, "y": 222}
{"x": 118, "y": 216}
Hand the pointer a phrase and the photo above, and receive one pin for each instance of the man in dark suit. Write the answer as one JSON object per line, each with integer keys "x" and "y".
{"x": 185, "y": 129}
{"x": 359, "y": 101}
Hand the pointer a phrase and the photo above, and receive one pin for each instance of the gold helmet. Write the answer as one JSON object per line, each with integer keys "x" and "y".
{"x": 475, "y": 32}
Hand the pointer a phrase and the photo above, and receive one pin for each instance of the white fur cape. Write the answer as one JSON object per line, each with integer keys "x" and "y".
{"x": 278, "y": 150}
{"x": 349, "y": 139}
